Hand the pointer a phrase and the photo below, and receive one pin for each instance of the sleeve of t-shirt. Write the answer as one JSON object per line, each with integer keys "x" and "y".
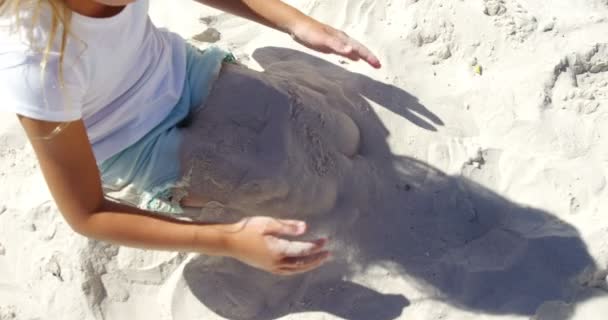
{"x": 40, "y": 93}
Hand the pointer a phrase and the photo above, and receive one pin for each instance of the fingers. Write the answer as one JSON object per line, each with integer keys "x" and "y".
{"x": 304, "y": 264}
{"x": 350, "y": 48}
{"x": 362, "y": 52}
{"x": 302, "y": 257}
{"x": 339, "y": 42}
{"x": 299, "y": 249}
{"x": 365, "y": 54}
{"x": 290, "y": 228}
{"x": 294, "y": 256}
{"x": 340, "y": 46}
{"x": 327, "y": 39}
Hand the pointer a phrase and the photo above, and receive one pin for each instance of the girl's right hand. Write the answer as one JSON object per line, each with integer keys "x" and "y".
{"x": 324, "y": 38}
{"x": 260, "y": 242}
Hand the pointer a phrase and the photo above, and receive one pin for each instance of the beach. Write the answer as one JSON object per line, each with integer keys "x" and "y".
{"x": 465, "y": 179}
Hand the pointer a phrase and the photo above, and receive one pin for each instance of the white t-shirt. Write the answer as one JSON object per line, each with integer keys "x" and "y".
{"x": 121, "y": 75}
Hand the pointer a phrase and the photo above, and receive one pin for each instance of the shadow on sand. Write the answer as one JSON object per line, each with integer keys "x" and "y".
{"x": 451, "y": 238}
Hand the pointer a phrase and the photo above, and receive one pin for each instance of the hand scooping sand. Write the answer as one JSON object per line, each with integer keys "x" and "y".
{"x": 258, "y": 242}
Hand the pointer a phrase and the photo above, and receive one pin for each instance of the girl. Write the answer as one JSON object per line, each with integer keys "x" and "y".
{"x": 106, "y": 100}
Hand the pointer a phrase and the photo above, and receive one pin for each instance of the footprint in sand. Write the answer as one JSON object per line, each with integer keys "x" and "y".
{"x": 435, "y": 35}
{"x": 8, "y": 313}
{"x": 483, "y": 167}
{"x": 579, "y": 82}
{"x": 93, "y": 269}
{"x": 510, "y": 16}
{"x": 44, "y": 219}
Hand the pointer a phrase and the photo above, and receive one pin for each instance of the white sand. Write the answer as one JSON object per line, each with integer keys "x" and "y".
{"x": 471, "y": 196}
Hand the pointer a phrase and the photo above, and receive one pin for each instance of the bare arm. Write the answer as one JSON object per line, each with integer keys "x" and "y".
{"x": 274, "y": 14}
{"x": 68, "y": 165}
{"x": 304, "y": 29}
{"x": 71, "y": 173}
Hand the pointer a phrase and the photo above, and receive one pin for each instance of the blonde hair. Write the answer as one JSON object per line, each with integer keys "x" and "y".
{"x": 60, "y": 17}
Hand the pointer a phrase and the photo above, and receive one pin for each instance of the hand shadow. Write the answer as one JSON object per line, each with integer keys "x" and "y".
{"x": 235, "y": 291}
{"x": 386, "y": 95}
{"x": 460, "y": 242}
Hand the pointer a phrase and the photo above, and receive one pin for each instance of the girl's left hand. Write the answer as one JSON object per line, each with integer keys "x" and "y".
{"x": 324, "y": 38}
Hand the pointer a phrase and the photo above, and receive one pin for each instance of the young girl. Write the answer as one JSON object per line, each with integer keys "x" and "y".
{"x": 106, "y": 100}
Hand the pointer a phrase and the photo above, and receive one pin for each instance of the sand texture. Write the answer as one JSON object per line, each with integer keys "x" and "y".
{"x": 466, "y": 179}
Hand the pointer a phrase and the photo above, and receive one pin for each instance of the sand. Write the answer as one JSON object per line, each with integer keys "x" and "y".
{"x": 466, "y": 179}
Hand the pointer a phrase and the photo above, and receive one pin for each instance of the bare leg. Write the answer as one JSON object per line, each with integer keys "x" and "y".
{"x": 265, "y": 145}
